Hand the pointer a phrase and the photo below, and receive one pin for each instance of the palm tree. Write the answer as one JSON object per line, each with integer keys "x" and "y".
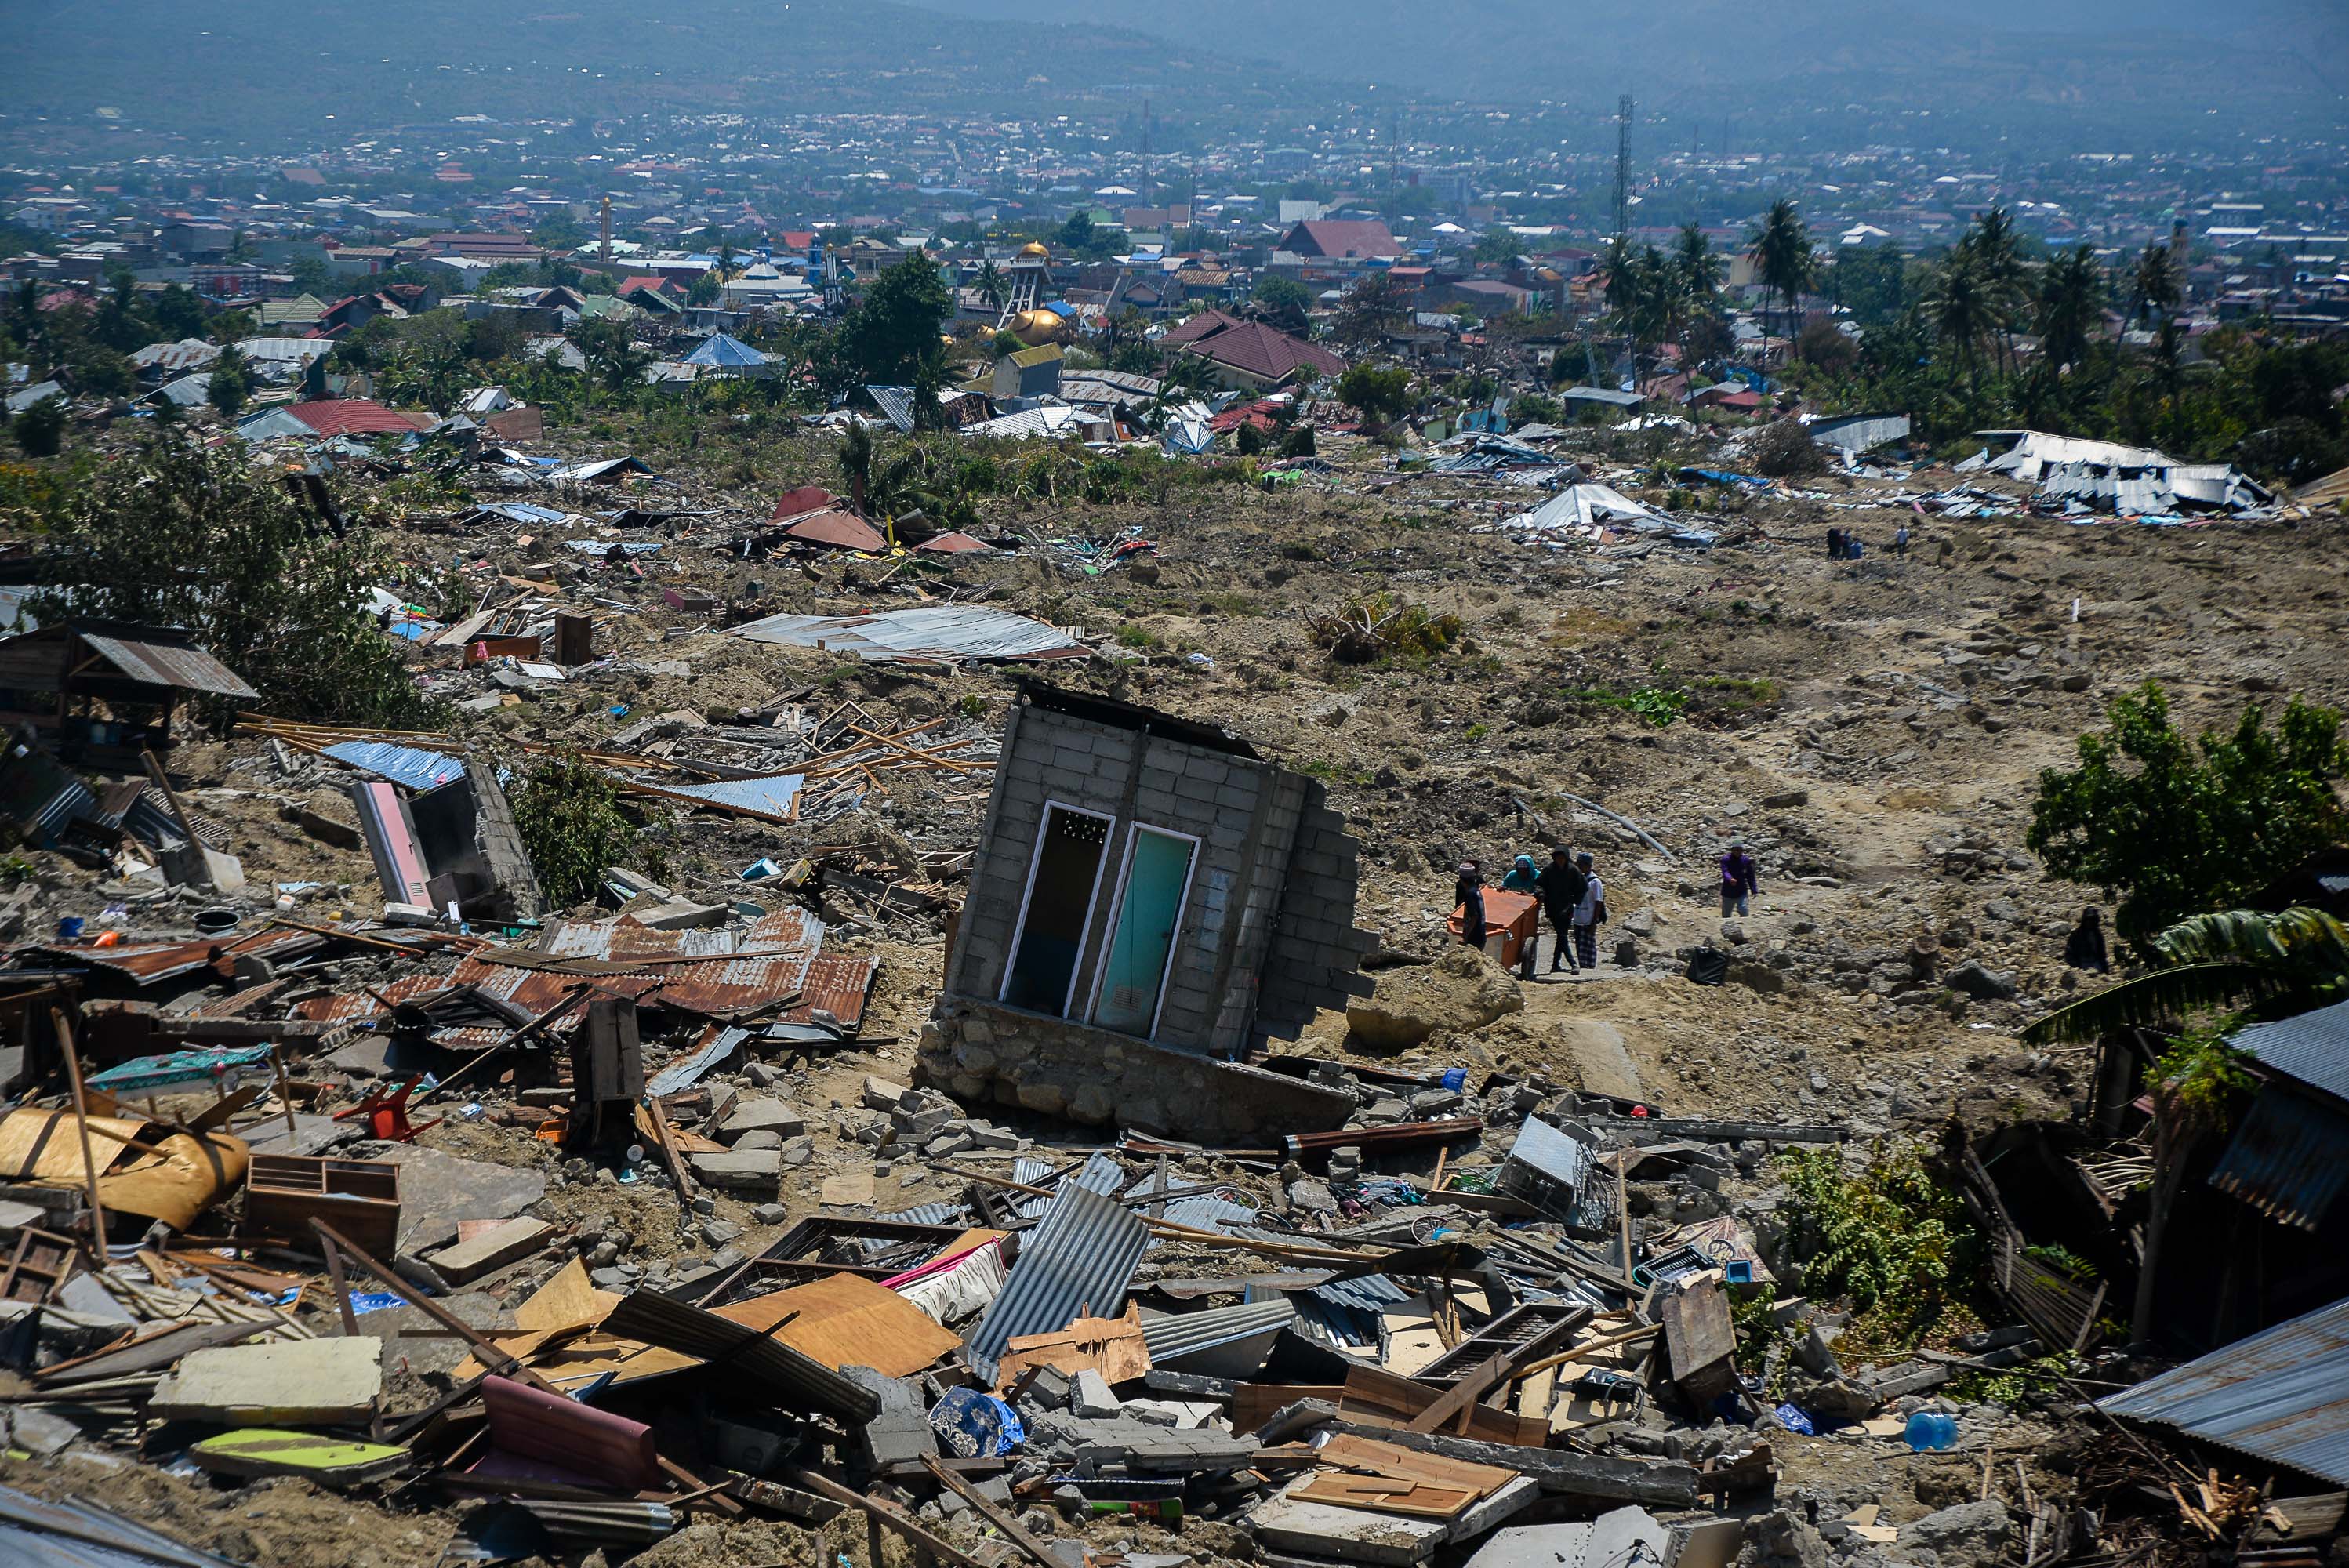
{"x": 993, "y": 288}
{"x": 1779, "y": 246}
{"x": 2156, "y": 284}
{"x": 1960, "y": 306}
{"x": 2070, "y": 297}
{"x": 1698, "y": 268}
{"x": 2000, "y": 272}
{"x": 2283, "y": 963}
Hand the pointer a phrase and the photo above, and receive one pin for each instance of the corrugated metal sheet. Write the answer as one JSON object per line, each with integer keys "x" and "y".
{"x": 797, "y": 1379}
{"x": 896, "y": 403}
{"x": 1098, "y": 1173}
{"x": 1188, "y": 1334}
{"x": 687, "y": 1070}
{"x": 148, "y": 962}
{"x": 2281, "y": 1396}
{"x": 931, "y": 631}
{"x": 835, "y": 985}
{"x": 2287, "y": 1159}
{"x": 1081, "y": 1256}
{"x": 175, "y": 663}
{"x": 725, "y": 987}
{"x": 93, "y": 1537}
{"x": 769, "y": 797}
{"x": 1326, "y": 1322}
{"x": 929, "y": 1214}
{"x": 417, "y": 768}
{"x": 2312, "y": 1048}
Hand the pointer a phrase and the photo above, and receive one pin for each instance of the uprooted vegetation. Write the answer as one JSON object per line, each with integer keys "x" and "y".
{"x": 1383, "y": 627}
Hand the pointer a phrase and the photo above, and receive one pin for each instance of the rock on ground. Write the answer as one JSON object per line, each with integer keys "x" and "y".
{"x": 1460, "y": 989}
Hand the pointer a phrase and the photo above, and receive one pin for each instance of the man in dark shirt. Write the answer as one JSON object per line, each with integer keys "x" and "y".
{"x": 1469, "y": 893}
{"x": 1561, "y": 883}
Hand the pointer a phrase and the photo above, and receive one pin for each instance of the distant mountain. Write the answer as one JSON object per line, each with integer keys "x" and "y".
{"x": 255, "y": 72}
{"x": 2039, "y": 65}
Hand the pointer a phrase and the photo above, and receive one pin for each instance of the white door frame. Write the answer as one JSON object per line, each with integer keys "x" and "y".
{"x": 1117, "y": 907}
{"x": 1092, "y": 901}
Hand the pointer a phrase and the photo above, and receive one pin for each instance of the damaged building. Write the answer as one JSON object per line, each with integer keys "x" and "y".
{"x": 1151, "y": 901}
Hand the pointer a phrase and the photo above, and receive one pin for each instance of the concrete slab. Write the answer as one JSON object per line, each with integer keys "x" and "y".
{"x": 1535, "y": 1546}
{"x": 491, "y": 1250}
{"x": 437, "y": 1190}
{"x": 288, "y": 1383}
{"x": 1345, "y": 1535}
{"x": 761, "y": 1115}
{"x": 741, "y": 1170}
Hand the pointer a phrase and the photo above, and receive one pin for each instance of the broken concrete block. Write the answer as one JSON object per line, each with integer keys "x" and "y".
{"x": 880, "y": 1094}
{"x": 682, "y": 915}
{"x": 741, "y": 1170}
{"x": 770, "y": 1213}
{"x": 489, "y": 1251}
{"x": 281, "y": 1382}
{"x": 1091, "y": 1399}
{"x": 761, "y": 1115}
{"x": 1345, "y": 1535}
{"x": 759, "y": 1137}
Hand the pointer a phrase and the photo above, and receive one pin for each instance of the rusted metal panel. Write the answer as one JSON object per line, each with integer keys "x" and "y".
{"x": 173, "y": 662}
{"x": 727, "y": 986}
{"x": 2286, "y": 1157}
{"x": 838, "y": 986}
{"x": 148, "y": 962}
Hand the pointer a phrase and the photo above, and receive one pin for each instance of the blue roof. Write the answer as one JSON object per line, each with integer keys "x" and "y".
{"x": 2312, "y": 1048}
{"x": 2281, "y": 1396}
{"x": 408, "y": 765}
{"x": 726, "y": 351}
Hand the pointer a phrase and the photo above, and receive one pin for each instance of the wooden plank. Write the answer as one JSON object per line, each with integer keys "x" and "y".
{"x": 1254, "y": 1404}
{"x": 1418, "y": 1499}
{"x": 1347, "y": 1451}
{"x": 1377, "y": 1397}
{"x": 1456, "y": 1401}
{"x": 1699, "y": 1340}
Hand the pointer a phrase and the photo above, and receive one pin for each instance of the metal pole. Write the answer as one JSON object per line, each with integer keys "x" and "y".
{"x": 81, "y": 1119}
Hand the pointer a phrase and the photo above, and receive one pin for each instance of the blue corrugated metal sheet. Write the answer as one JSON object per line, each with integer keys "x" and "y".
{"x": 1189, "y": 1334}
{"x": 408, "y": 764}
{"x": 1099, "y": 1174}
{"x": 769, "y": 795}
{"x": 687, "y": 1070}
{"x": 2281, "y": 1396}
{"x": 2288, "y": 1158}
{"x": 1081, "y": 1256}
{"x": 2312, "y": 1048}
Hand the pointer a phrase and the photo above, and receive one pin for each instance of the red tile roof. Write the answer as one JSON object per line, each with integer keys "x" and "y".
{"x": 800, "y": 502}
{"x": 1205, "y": 324}
{"x": 1365, "y": 237}
{"x": 350, "y": 416}
{"x": 1261, "y": 351}
{"x": 953, "y": 543}
{"x": 659, "y": 285}
{"x": 843, "y": 530}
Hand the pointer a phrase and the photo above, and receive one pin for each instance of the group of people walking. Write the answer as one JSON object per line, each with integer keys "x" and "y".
{"x": 1573, "y": 897}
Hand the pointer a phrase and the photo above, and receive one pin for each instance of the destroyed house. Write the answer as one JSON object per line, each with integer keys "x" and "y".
{"x": 1151, "y": 900}
{"x": 100, "y": 691}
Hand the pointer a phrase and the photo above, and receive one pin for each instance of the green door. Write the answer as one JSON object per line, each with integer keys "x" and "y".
{"x": 1157, "y": 875}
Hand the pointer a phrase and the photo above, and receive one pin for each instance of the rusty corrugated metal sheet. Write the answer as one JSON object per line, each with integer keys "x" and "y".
{"x": 839, "y": 985}
{"x": 727, "y": 987}
{"x": 167, "y": 664}
{"x": 2286, "y": 1159}
{"x": 148, "y": 962}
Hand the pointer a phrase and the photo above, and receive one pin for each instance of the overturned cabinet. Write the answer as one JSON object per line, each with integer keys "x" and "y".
{"x": 455, "y": 844}
{"x": 1151, "y": 900}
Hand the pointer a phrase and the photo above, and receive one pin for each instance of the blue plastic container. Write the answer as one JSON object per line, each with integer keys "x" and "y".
{"x": 1930, "y": 1433}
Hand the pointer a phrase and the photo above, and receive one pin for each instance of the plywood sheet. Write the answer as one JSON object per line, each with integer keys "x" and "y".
{"x": 847, "y": 1320}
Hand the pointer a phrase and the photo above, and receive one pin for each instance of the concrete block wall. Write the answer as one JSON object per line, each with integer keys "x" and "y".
{"x": 979, "y": 1051}
{"x": 1316, "y": 955}
{"x": 1235, "y": 807}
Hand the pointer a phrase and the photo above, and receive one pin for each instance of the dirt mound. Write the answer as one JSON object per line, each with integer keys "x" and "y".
{"x": 1459, "y": 989}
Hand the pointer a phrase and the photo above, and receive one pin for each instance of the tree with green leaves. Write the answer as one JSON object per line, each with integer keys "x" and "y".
{"x": 992, "y": 287}
{"x": 2174, "y": 825}
{"x": 181, "y": 534}
{"x": 1994, "y": 252}
{"x": 2071, "y": 303}
{"x": 1499, "y": 245}
{"x": 231, "y": 384}
{"x": 1697, "y": 271}
{"x": 1283, "y": 301}
{"x": 1779, "y": 246}
{"x": 1961, "y": 309}
{"x": 2270, "y": 963}
{"x": 895, "y": 327}
{"x": 2156, "y": 286}
{"x": 572, "y": 823}
{"x": 40, "y": 428}
{"x": 613, "y": 361}
{"x": 1380, "y": 394}
{"x": 1371, "y": 307}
